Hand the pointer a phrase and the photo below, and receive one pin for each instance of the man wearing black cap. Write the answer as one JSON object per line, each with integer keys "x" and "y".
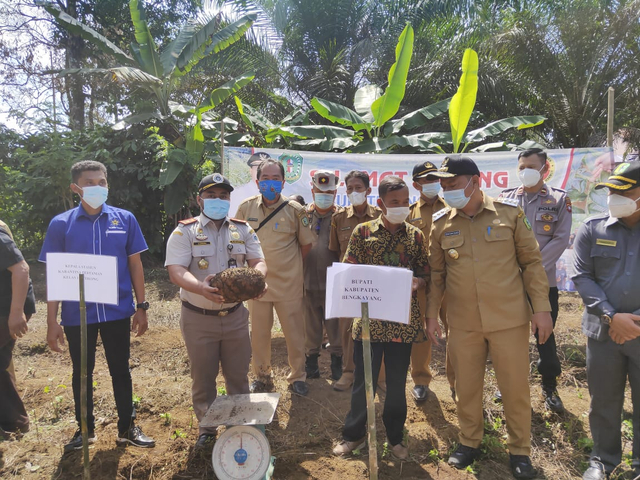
{"x": 215, "y": 332}
{"x": 483, "y": 253}
{"x": 607, "y": 276}
{"x": 420, "y": 216}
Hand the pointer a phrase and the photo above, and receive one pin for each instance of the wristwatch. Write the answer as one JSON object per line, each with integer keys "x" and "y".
{"x": 143, "y": 305}
{"x": 606, "y": 318}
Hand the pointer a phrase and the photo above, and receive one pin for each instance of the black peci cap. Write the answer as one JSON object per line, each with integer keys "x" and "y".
{"x": 625, "y": 177}
{"x": 455, "y": 165}
{"x": 422, "y": 170}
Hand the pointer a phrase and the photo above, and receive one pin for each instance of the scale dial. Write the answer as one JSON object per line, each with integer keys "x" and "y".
{"x": 241, "y": 453}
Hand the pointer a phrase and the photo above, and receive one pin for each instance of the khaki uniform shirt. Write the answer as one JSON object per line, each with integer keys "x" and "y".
{"x": 281, "y": 238}
{"x": 549, "y": 212}
{"x": 488, "y": 265}
{"x": 372, "y": 244}
{"x": 204, "y": 250}
{"x": 343, "y": 223}
{"x": 421, "y": 216}
{"x": 319, "y": 257}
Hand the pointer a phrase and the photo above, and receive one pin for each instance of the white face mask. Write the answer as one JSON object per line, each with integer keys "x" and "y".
{"x": 457, "y": 198}
{"x": 529, "y": 177}
{"x": 357, "y": 198}
{"x": 621, "y": 207}
{"x": 95, "y": 196}
{"x": 396, "y": 215}
{"x": 431, "y": 190}
{"x": 323, "y": 201}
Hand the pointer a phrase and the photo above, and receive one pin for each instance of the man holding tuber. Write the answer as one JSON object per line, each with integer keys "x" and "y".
{"x": 215, "y": 329}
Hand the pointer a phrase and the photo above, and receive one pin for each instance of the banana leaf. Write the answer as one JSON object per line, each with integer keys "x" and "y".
{"x": 418, "y": 142}
{"x": 129, "y": 75}
{"x": 364, "y": 98}
{"x": 147, "y": 48}
{"x": 464, "y": 100}
{"x": 136, "y": 118}
{"x": 254, "y": 116}
{"x": 327, "y": 145}
{"x": 417, "y": 118}
{"x": 385, "y": 107}
{"x": 337, "y": 113}
{"x": 172, "y": 166}
{"x": 499, "y": 126}
{"x": 244, "y": 117}
{"x": 195, "y": 138}
{"x": 309, "y": 131}
{"x": 224, "y": 91}
{"x": 87, "y": 33}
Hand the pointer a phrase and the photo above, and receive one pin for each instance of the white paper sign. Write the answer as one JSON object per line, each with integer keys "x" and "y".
{"x": 386, "y": 289}
{"x": 100, "y": 277}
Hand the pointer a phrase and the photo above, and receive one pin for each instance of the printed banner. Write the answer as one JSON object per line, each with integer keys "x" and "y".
{"x": 574, "y": 170}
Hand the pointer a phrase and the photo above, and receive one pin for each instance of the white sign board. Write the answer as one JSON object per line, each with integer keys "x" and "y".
{"x": 386, "y": 289}
{"x": 100, "y": 277}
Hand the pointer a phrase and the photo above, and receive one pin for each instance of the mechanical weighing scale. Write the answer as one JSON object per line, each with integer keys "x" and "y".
{"x": 242, "y": 452}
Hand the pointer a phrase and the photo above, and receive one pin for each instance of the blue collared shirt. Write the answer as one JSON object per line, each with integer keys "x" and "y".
{"x": 113, "y": 232}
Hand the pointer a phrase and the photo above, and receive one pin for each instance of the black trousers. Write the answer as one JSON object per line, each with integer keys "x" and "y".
{"x": 397, "y": 357}
{"x": 549, "y": 364}
{"x": 116, "y": 341}
{"x": 13, "y": 415}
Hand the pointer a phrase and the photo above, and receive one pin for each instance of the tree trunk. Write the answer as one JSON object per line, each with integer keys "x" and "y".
{"x": 75, "y": 83}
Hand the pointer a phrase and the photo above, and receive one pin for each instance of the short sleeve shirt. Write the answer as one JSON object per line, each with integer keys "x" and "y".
{"x": 342, "y": 224}
{"x": 114, "y": 232}
{"x": 10, "y": 255}
{"x": 319, "y": 257}
{"x": 372, "y": 244}
{"x": 280, "y": 238}
{"x": 198, "y": 245}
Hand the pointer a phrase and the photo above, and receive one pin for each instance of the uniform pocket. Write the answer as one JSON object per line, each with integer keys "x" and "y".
{"x": 546, "y": 223}
{"x": 283, "y": 228}
{"x": 605, "y": 259}
{"x": 498, "y": 234}
{"x": 207, "y": 250}
{"x": 452, "y": 242}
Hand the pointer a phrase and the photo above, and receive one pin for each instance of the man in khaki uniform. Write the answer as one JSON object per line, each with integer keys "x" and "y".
{"x": 420, "y": 217}
{"x": 316, "y": 262}
{"x": 484, "y": 254}
{"x": 283, "y": 229}
{"x": 342, "y": 224}
{"x": 215, "y": 332}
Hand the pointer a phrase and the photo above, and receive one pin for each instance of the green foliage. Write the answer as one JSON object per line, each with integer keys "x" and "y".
{"x": 464, "y": 101}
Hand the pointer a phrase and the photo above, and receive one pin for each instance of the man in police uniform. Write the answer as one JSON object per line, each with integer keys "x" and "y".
{"x": 420, "y": 216}
{"x": 342, "y": 224}
{"x": 607, "y": 276}
{"x": 316, "y": 262}
{"x": 484, "y": 254}
{"x": 215, "y": 332}
{"x": 283, "y": 229}
{"x": 548, "y": 210}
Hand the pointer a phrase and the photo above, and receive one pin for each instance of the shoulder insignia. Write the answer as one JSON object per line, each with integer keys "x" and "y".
{"x": 599, "y": 216}
{"x": 237, "y": 220}
{"x": 512, "y": 202}
{"x": 440, "y": 213}
{"x": 188, "y": 221}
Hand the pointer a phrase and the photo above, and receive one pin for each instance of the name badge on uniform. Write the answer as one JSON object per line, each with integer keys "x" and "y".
{"x": 198, "y": 244}
{"x": 252, "y": 219}
{"x": 451, "y": 234}
{"x": 606, "y": 243}
{"x": 345, "y": 228}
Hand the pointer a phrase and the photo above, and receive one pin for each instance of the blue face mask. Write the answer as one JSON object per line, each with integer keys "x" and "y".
{"x": 215, "y": 208}
{"x": 323, "y": 201}
{"x": 95, "y": 196}
{"x": 270, "y": 188}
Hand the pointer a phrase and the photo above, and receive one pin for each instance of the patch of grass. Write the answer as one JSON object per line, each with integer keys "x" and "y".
{"x": 177, "y": 433}
{"x": 166, "y": 417}
{"x": 222, "y": 390}
{"x": 136, "y": 400}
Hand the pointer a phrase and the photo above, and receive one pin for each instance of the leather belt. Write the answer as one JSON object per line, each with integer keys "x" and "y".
{"x": 217, "y": 313}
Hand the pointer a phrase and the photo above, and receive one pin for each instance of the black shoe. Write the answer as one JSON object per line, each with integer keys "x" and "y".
{"x": 311, "y": 366}
{"x": 205, "y": 442}
{"x": 258, "y": 386}
{"x": 552, "y": 400}
{"x": 420, "y": 393}
{"x": 135, "y": 437}
{"x": 521, "y": 466}
{"x": 497, "y": 397}
{"x": 300, "y": 388}
{"x": 76, "y": 441}
{"x": 463, "y": 456}
{"x": 336, "y": 366}
{"x": 595, "y": 471}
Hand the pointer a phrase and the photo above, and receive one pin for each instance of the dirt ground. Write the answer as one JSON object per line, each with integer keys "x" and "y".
{"x": 304, "y": 429}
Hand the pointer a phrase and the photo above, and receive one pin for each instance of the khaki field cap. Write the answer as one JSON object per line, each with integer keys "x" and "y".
{"x": 325, "y": 180}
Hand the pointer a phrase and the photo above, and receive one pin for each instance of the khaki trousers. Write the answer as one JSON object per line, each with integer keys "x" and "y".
{"x": 291, "y": 319}
{"x": 509, "y": 350}
{"x": 348, "y": 365}
{"x": 314, "y": 321}
{"x": 421, "y": 357}
{"x": 214, "y": 341}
